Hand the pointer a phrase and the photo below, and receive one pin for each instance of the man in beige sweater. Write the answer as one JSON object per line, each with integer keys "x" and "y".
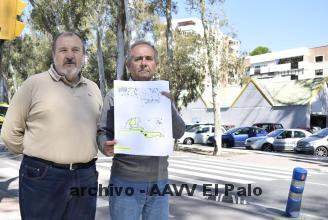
{"x": 52, "y": 121}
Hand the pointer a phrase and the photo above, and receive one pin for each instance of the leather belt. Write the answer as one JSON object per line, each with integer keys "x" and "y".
{"x": 71, "y": 166}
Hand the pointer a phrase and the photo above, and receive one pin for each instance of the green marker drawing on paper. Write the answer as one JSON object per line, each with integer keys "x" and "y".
{"x": 133, "y": 126}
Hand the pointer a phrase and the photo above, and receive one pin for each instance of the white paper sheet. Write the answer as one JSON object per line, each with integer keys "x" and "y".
{"x": 143, "y": 118}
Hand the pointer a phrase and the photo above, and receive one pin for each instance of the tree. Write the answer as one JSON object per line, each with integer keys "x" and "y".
{"x": 3, "y": 82}
{"x": 209, "y": 41}
{"x": 25, "y": 56}
{"x": 165, "y": 8}
{"x": 54, "y": 16}
{"x": 100, "y": 25}
{"x": 118, "y": 14}
{"x": 222, "y": 64}
{"x": 51, "y": 17}
{"x": 109, "y": 58}
{"x": 259, "y": 50}
{"x": 186, "y": 72}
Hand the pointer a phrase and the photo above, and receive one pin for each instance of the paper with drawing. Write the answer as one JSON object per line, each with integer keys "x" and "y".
{"x": 143, "y": 121}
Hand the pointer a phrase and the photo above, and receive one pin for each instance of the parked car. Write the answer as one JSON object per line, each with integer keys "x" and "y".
{"x": 3, "y": 111}
{"x": 189, "y": 127}
{"x": 236, "y": 137}
{"x": 268, "y": 126}
{"x": 198, "y": 134}
{"x": 277, "y": 140}
{"x": 316, "y": 143}
{"x": 227, "y": 127}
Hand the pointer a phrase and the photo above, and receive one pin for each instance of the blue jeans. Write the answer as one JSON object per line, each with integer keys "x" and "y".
{"x": 124, "y": 205}
{"x": 46, "y": 192}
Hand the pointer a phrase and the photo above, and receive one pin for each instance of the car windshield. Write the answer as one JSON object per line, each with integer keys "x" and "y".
{"x": 192, "y": 128}
{"x": 321, "y": 133}
{"x": 274, "y": 133}
{"x": 232, "y": 130}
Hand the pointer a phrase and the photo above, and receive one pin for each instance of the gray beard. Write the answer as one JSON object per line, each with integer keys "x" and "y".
{"x": 71, "y": 75}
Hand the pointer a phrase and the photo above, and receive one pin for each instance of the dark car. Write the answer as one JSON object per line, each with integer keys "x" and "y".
{"x": 269, "y": 126}
{"x": 236, "y": 137}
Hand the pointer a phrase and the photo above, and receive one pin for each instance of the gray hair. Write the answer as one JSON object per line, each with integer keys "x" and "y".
{"x": 137, "y": 43}
{"x": 65, "y": 34}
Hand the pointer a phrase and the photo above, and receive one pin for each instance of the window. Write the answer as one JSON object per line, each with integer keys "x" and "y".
{"x": 278, "y": 126}
{"x": 293, "y": 77}
{"x": 299, "y": 134}
{"x": 290, "y": 60}
{"x": 318, "y": 59}
{"x": 319, "y": 72}
{"x": 265, "y": 127}
{"x": 285, "y": 134}
{"x": 204, "y": 130}
{"x": 294, "y": 65}
{"x": 257, "y": 69}
{"x": 242, "y": 131}
{"x": 258, "y": 131}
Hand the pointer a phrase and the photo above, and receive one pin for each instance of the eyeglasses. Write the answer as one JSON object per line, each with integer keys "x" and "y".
{"x": 141, "y": 58}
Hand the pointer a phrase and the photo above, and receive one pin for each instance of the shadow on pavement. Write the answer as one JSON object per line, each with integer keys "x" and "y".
{"x": 5, "y": 192}
{"x": 195, "y": 150}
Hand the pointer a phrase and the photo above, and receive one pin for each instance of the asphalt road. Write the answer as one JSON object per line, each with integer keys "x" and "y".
{"x": 271, "y": 172}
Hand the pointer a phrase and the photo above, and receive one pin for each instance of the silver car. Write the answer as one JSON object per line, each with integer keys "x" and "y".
{"x": 278, "y": 140}
{"x": 198, "y": 135}
{"x": 316, "y": 143}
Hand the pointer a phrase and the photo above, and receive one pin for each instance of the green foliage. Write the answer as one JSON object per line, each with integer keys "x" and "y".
{"x": 25, "y": 56}
{"x": 186, "y": 75}
{"x": 32, "y": 53}
{"x": 259, "y": 50}
{"x": 54, "y": 16}
{"x": 109, "y": 52}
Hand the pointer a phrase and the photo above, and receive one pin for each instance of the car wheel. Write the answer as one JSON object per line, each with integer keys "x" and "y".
{"x": 225, "y": 144}
{"x": 267, "y": 147}
{"x": 188, "y": 141}
{"x": 321, "y": 151}
{"x": 249, "y": 147}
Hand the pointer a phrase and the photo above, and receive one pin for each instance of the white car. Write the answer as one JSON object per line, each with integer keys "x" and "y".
{"x": 198, "y": 135}
{"x": 277, "y": 140}
{"x": 316, "y": 143}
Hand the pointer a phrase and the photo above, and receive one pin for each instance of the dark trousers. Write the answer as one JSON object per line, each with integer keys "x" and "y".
{"x": 47, "y": 192}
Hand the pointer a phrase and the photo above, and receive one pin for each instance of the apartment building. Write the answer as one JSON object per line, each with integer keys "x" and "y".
{"x": 292, "y": 64}
{"x": 202, "y": 109}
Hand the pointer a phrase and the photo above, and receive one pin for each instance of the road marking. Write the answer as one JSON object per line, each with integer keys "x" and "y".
{"x": 8, "y": 172}
{"x": 209, "y": 176}
{"x": 222, "y": 172}
{"x": 193, "y": 181}
{"x": 311, "y": 158}
{"x": 241, "y": 166}
{"x": 320, "y": 184}
{"x": 239, "y": 170}
{"x": 237, "y": 164}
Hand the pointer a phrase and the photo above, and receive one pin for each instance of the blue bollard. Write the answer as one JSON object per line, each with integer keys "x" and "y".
{"x": 295, "y": 192}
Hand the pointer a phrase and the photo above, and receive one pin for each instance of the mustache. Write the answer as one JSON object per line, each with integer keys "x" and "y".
{"x": 143, "y": 69}
{"x": 69, "y": 61}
